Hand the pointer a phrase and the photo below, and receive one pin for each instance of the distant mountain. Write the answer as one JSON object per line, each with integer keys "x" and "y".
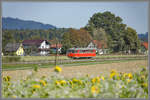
{"x": 15, "y": 23}
{"x": 143, "y": 37}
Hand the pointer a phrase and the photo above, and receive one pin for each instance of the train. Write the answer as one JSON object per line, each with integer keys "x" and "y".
{"x": 81, "y": 53}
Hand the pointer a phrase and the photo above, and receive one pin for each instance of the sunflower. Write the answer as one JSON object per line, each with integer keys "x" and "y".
{"x": 95, "y": 90}
{"x": 102, "y": 77}
{"x": 36, "y": 86}
{"x": 130, "y": 76}
{"x": 43, "y": 82}
{"x": 62, "y": 82}
{"x": 58, "y": 69}
{"x": 96, "y": 80}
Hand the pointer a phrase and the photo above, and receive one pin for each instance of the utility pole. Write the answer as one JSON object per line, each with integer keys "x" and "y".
{"x": 56, "y": 51}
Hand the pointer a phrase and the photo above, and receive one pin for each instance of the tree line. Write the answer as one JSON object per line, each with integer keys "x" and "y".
{"x": 104, "y": 27}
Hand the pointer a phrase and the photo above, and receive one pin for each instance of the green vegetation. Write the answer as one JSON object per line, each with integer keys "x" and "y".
{"x": 42, "y": 58}
{"x": 104, "y": 27}
{"x": 50, "y": 65}
{"x": 117, "y": 85}
{"x": 109, "y": 28}
{"x": 11, "y": 59}
{"x": 20, "y": 35}
{"x": 75, "y": 38}
{"x": 46, "y": 58}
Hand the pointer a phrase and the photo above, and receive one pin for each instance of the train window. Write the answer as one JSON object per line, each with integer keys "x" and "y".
{"x": 86, "y": 51}
{"x": 74, "y": 51}
{"x": 81, "y": 51}
{"x": 89, "y": 51}
{"x": 70, "y": 51}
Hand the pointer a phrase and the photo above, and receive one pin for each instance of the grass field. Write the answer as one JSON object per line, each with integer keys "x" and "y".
{"x": 46, "y": 65}
{"x": 43, "y": 58}
{"x": 80, "y": 69}
{"x": 39, "y": 58}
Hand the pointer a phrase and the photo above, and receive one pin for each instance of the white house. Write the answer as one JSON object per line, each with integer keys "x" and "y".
{"x": 100, "y": 47}
{"x": 44, "y": 47}
{"x": 39, "y": 47}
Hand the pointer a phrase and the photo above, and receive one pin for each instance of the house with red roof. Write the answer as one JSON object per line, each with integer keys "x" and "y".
{"x": 101, "y": 47}
{"x": 36, "y": 47}
{"x": 145, "y": 44}
{"x": 144, "y": 47}
{"x": 53, "y": 47}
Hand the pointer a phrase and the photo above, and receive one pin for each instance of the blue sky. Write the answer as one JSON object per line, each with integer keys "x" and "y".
{"x": 77, "y": 14}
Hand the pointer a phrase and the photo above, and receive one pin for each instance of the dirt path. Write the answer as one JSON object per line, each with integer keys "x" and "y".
{"x": 77, "y": 71}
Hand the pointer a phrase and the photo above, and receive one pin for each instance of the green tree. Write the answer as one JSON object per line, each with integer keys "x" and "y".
{"x": 66, "y": 43}
{"x": 6, "y": 38}
{"x": 132, "y": 43}
{"x": 80, "y": 38}
{"x": 113, "y": 27}
{"x": 75, "y": 38}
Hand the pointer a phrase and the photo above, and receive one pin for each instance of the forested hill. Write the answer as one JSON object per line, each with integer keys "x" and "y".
{"x": 15, "y": 23}
{"x": 143, "y": 37}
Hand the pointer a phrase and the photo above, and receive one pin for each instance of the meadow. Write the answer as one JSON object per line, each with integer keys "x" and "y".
{"x": 39, "y": 58}
{"x": 48, "y": 61}
{"x": 64, "y": 57}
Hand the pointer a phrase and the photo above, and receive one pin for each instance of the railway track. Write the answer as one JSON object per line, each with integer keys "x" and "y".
{"x": 62, "y": 61}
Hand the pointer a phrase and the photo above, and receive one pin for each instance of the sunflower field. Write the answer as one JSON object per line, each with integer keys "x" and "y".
{"x": 116, "y": 85}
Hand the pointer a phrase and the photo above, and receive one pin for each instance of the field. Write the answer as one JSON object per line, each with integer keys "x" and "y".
{"x": 42, "y": 58}
{"x": 39, "y": 58}
{"x": 107, "y": 79}
{"x": 82, "y": 70}
{"x": 28, "y": 62}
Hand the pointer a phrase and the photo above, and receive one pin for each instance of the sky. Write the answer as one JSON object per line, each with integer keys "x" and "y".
{"x": 77, "y": 14}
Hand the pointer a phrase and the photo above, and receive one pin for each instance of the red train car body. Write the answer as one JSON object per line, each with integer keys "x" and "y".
{"x": 81, "y": 52}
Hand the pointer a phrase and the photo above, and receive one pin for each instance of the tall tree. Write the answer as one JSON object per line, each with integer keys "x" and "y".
{"x": 75, "y": 38}
{"x": 66, "y": 43}
{"x": 6, "y": 38}
{"x": 100, "y": 35}
{"x": 80, "y": 38}
{"x": 131, "y": 40}
{"x": 113, "y": 27}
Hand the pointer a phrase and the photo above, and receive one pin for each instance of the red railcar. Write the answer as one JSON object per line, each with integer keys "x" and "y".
{"x": 81, "y": 52}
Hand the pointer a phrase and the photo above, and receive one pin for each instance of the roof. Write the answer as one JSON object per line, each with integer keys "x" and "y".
{"x": 33, "y": 42}
{"x": 54, "y": 45}
{"x": 145, "y": 44}
{"x": 82, "y": 49}
{"x": 12, "y": 47}
{"x": 52, "y": 41}
{"x": 99, "y": 44}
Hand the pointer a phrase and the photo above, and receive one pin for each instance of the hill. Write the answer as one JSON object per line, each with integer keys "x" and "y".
{"x": 15, "y": 23}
